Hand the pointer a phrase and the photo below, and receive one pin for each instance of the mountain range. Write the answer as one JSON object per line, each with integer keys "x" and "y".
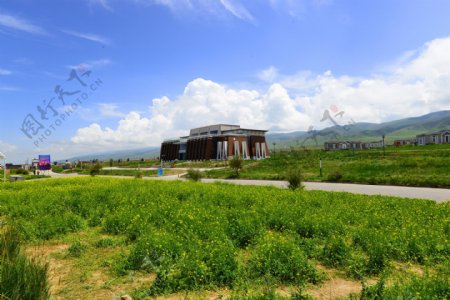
{"x": 393, "y": 130}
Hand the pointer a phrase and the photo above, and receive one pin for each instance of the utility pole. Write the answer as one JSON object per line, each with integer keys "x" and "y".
{"x": 384, "y": 151}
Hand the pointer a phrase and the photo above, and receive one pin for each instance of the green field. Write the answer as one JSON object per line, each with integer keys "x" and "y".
{"x": 186, "y": 240}
{"x": 427, "y": 166}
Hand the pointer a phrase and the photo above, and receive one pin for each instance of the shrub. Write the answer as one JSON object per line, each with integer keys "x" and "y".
{"x": 194, "y": 175}
{"x": 243, "y": 227}
{"x": 278, "y": 256}
{"x": 104, "y": 243}
{"x": 138, "y": 175}
{"x": 76, "y": 249}
{"x": 236, "y": 164}
{"x": 294, "y": 178}
{"x": 377, "y": 261}
{"x": 335, "y": 176}
{"x": 95, "y": 169}
{"x": 336, "y": 252}
{"x": 22, "y": 172}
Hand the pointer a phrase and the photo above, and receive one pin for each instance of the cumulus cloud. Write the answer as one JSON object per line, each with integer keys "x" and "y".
{"x": 202, "y": 102}
{"x": 110, "y": 110}
{"x": 417, "y": 86}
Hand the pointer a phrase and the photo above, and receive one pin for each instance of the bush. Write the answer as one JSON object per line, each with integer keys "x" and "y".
{"x": 335, "y": 176}
{"x": 76, "y": 249}
{"x": 104, "y": 243}
{"x": 194, "y": 175}
{"x": 236, "y": 164}
{"x": 21, "y": 172}
{"x": 95, "y": 169}
{"x": 278, "y": 256}
{"x": 336, "y": 252}
{"x": 294, "y": 178}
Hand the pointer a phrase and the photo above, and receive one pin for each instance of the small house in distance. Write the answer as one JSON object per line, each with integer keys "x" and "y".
{"x": 404, "y": 142}
{"x": 440, "y": 137}
{"x": 352, "y": 145}
{"x": 220, "y": 141}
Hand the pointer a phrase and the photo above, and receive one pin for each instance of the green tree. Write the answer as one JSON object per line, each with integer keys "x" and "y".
{"x": 95, "y": 169}
{"x": 236, "y": 164}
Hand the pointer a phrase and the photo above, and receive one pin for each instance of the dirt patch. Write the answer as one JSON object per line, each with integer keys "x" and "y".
{"x": 335, "y": 288}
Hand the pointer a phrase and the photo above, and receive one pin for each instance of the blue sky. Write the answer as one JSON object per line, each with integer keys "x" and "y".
{"x": 168, "y": 65}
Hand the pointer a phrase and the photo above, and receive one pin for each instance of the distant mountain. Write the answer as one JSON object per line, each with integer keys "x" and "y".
{"x": 134, "y": 154}
{"x": 399, "y": 129}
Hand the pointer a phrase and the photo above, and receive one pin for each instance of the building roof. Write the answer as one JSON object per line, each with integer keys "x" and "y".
{"x": 434, "y": 133}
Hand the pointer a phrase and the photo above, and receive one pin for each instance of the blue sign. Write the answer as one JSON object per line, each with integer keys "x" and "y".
{"x": 44, "y": 162}
{"x": 160, "y": 172}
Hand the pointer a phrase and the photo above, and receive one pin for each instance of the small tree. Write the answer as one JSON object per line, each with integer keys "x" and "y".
{"x": 236, "y": 164}
{"x": 295, "y": 178}
{"x": 194, "y": 175}
{"x": 95, "y": 169}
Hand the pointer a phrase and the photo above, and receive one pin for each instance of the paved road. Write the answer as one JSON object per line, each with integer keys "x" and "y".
{"x": 438, "y": 195}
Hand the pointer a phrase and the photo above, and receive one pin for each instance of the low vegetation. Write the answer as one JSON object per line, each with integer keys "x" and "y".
{"x": 243, "y": 242}
{"x": 194, "y": 175}
{"x": 20, "y": 276}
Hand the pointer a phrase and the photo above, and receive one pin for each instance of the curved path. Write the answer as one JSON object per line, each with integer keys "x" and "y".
{"x": 438, "y": 195}
{"x": 435, "y": 194}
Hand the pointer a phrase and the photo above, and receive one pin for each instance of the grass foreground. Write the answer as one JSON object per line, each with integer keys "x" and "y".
{"x": 104, "y": 237}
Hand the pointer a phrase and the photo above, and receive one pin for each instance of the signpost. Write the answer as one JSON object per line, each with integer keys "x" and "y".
{"x": 44, "y": 163}
{"x": 320, "y": 167}
{"x": 3, "y": 156}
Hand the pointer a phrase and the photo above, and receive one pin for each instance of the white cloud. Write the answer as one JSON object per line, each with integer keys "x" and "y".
{"x": 237, "y": 10}
{"x": 88, "y": 36}
{"x": 103, "y": 3}
{"x": 269, "y": 74}
{"x": 4, "y": 72}
{"x": 7, "y": 148}
{"x": 17, "y": 23}
{"x": 202, "y": 102}
{"x": 415, "y": 87}
{"x": 110, "y": 110}
{"x": 9, "y": 88}
{"x": 92, "y": 64}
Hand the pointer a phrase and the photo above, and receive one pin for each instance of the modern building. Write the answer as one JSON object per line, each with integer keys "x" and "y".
{"x": 352, "y": 145}
{"x": 440, "y": 137}
{"x": 220, "y": 141}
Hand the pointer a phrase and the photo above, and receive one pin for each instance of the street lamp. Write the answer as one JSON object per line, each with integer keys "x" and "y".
{"x": 3, "y": 156}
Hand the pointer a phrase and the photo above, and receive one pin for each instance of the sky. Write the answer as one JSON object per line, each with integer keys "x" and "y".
{"x": 87, "y": 76}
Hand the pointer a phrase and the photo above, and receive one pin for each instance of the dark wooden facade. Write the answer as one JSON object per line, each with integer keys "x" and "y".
{"x": 169, "y": 151}
{"x": 205, "y": 148}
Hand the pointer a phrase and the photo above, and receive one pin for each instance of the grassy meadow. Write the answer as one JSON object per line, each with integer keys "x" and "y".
{"x": 427, "y": 166}
{"x": 105, "y": 237}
